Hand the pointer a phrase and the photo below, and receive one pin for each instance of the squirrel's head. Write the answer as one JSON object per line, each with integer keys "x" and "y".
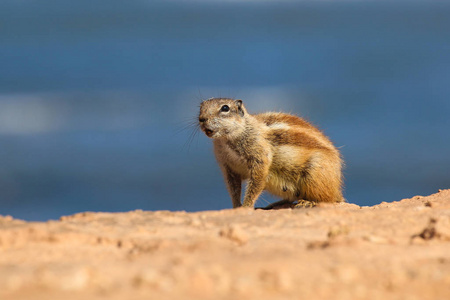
{"x": 222, "y": 117}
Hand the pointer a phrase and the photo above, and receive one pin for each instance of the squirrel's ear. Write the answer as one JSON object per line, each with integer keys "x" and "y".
{"x": 240, "y": 107}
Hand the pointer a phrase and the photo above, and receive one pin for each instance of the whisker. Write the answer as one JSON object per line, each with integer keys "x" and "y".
{"x": 194, "y": 132}
{"x": 196, "y": 135}
{"x": 200, "y": 94}
{"x": 261, "y": 197}
{"x": 186, "y": 127}
{"x": 187, "y": 123}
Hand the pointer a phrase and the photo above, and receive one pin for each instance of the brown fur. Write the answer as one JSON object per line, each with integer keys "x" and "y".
{"x": 277, "y": 152}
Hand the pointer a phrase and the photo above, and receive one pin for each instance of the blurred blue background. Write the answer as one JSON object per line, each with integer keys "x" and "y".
{"x": 94, "y": 96}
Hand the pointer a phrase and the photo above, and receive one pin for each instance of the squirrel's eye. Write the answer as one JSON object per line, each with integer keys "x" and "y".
{"x": 225, "y": 108}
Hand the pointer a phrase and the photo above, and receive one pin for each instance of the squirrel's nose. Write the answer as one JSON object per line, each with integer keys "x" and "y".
{"x": 202, "y": 120}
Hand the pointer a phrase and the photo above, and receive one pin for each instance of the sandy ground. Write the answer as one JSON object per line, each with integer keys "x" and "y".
{"x": 398, "y": 250}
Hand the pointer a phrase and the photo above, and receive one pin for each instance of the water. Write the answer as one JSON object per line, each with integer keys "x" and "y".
{"x": 94, "y": 94}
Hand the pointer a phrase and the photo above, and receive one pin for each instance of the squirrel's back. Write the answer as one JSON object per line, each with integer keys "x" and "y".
{"x": 305, "y": 163}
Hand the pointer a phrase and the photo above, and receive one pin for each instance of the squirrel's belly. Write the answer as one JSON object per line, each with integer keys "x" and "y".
{"x": 282, "y": 187}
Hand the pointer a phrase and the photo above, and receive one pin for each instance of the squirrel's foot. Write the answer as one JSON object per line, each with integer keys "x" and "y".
{"x": 305, "y": 204}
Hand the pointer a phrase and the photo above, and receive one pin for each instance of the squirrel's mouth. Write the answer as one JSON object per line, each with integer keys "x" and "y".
{"x": 209, "y": 132}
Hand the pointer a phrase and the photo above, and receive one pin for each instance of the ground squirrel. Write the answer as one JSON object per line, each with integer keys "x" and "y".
{"x": 277, "y": 152}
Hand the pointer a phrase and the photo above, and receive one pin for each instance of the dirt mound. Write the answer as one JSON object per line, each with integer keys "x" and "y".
{"x": 398, "y": 250}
